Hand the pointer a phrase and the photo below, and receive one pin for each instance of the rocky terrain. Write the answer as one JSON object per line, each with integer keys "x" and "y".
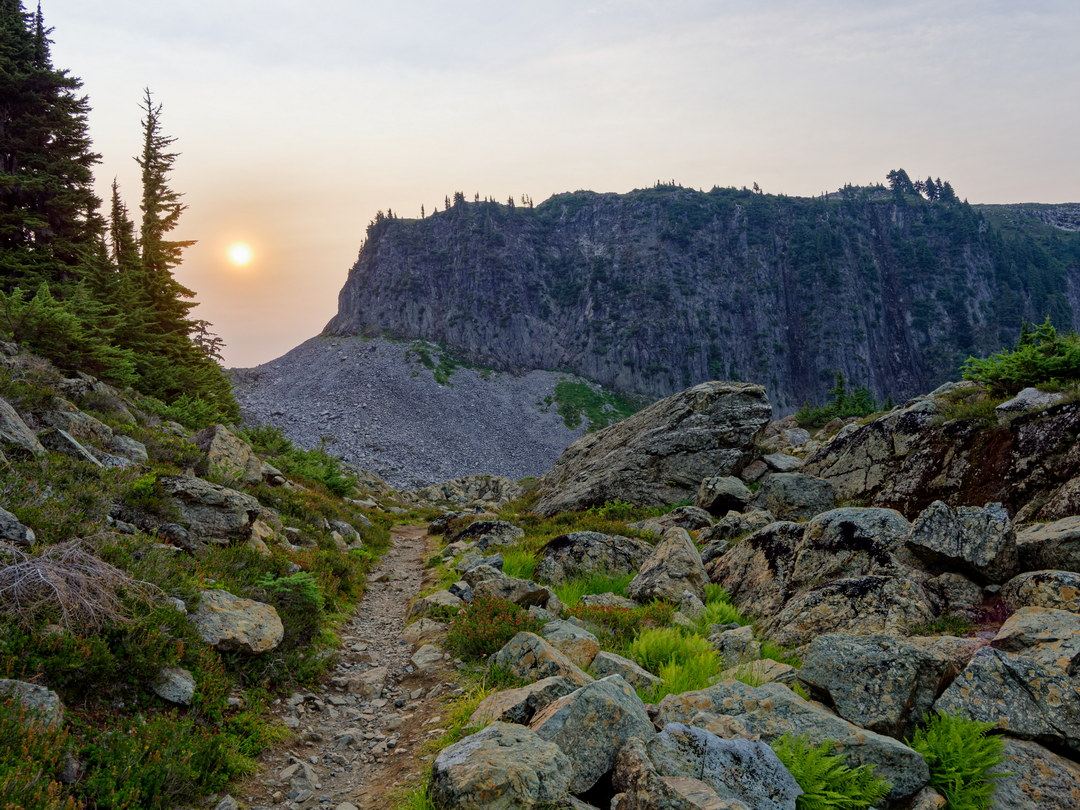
{"x": 384, "y": 411}
{"x": 656, "y": 290}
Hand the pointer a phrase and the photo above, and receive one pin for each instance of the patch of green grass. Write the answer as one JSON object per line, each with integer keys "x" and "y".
{"x": 685, "y": 674}
{"x": 654, "y": 647}
{"x": 31, "y": 759}
{"x": 961, "y": 756}
{"x": 825, "y": 777}
{"x": 580, "y": 402}
{"x": 571, "y": 591}
{"x": 518, "y": 562}
{"x": 949, "y": 624}
{"x": 720, "y": 613}
{"x": 774, "y": 652}
{"x": 716, "y": 593}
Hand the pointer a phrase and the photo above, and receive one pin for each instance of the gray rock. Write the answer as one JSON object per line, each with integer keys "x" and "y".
{"x": 487, "y": 533}
{"x": 720, "y": 494}
{"x": 607, "y": 663}
{"x": 642, "y": 788}
{"x": 736, "y": 524}
{"x": 764, "y": 670}
{"x": 15, "y": 436}
{"x": 176, "y": 685}
{"x": 1050, "y": 546}
{"x": 736, "y": 769}
{"x": 592, "y": 724}
{"x": 580, "y": 554}
{"x": 228, "y": 622}
{"x": 487, "y": 581}
{"x": 210, "y": 510}
{"x": 462, "y": 590}
{"x": 736, "y": 646}
{"x": 1035, "y": 777}
{"x": 83, "y": 427}
{"x": 954, "y": 593}
{"x": 673, "y": 567}
{"x": 796, "y": 437}
{"x": 608, "y": 600}
{"x": 503, "y": 766}
{"x": 491, "y": 490}
{"x": 1048, "y": 589}
{"x": 794, "y": 496}
{"x": 690, "y": 518}
{"x": 433, "y": 602}
{"x": 228, "y": 455}
{"x": 881, "y": 683}
{"x": 659, "y": 455}
{"x": 576, "y": 643}
{"x": 522, "y": 704}
{"x": 427, "y": 657}
{"x": 62, "y": 442}
{"x": 979, "y": 542}
{"x": 13, "y": 531}
{"x": 37, "y": 700}
{"x": 773, "y": 710}
{"x": 424, "y": 630}
{"x": 850, "y": 542}
{"x": 1050, "y": 636}
{"x": 129, "y": 448}
{"x": 530, "y": 658}
{"x": 782, "y": 462}
{"x": 1029, "y": 399}
{"x": 757, "y": 570}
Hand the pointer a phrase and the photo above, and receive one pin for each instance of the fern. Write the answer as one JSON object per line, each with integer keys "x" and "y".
{"x": 960, "y": 756}
{"x": 825, "y": 778}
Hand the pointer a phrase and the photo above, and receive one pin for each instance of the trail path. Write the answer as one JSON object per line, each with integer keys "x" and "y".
{"x": 353, "y": 745}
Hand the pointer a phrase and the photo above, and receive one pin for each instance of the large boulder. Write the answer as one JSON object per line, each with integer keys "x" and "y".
{"x": 488, "y": 581}
{"x": 773, "y": 710}
{"x": 486, "y": 533}
{"x": 580, "y": 554}
{"x": 229, "y": 623}
{"x": 641, "y": 787}
{"x": 226, "y": 454}
{"x": 720, "y": 494}
{"x": 62, "y": 442}
{"x": 756, "y": 571}
{"x": 592, "y": 724}
{"x": 529, "y": 657}
{"x": 521, "y": 705}
{"x": 794, "y": 496}
{"x": 1035, "y": 777}
{"x": 44, "y": 704}
{"x": 608, "y": 663}
{"x": 210, "y": 510}
{"x": 85, "y": 428}
{"x": 673, "y": 567}
{"x": 1054, "y": 545}
{"x": 882, "y": 683}
{"x": 659, "y": 455}
{"x": 736, "y": 769}
{"x": 502, "y": 767}
{"x": 864, "y": 605}
{"x": 575, "y": 642}
{"x": 1048, "y": 589}
{"x": 850, "y": 542}
{"x": 15, "y": 436}
{"x": 979, "y": 542}
{"x": 14, "y": 531}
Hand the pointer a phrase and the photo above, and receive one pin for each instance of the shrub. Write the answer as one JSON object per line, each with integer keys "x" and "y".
{"x": 842, "y": 403}
{"x": 960, "y": 756}
{"x": 618, "y": 626}
{"x": 1041, "y": 357}
{"x": 652, "y": 648}
{"x": 825, "y": 778}
{"x": 571, "y": 591}
{"x": 30, "y": 760}
{"x": 486, "y": 624}
{"x": 299, "y": 602}
{"x": 720, "y": 613}
{"x": 685, "y": 674}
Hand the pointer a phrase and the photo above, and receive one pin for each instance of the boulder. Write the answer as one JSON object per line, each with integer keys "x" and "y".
{"x": 592, "y": 724}
{"x": 736, "y": 646}
{"x": 756, "y": 571}
{"x": 229, "y": 623}
{"x": 673, "y": 567}
{"x": 735, "y": 769}
{"x": 530, "y": 658}
{"x": 794, "y": 496}
{"x": 850, "y": 542}
{"x": 690, "y": 518}
{"x": 176, "y": 685}
{"x": 1050, "y": 546}
{"x": 734, "y": 525}
{"x": 642, "y": 788}
{"x": 659, "y": 455}
{"x": 772, "y": 710}
{"x": 607, "y": 663}
{"x": 782, "y": 462}
{"x": 62, "y": 442}
{"x": 979, "y": 542}
{"x": 503, "y": 766}
{"x": 85, "y": 428}
{"x": 609, "y": 600}
{"x": 369, "y": 684}
{"x": 1050, "y": 636}
{"x": 129, "y": 448}
{"x": 486, "y": 533}
{"x": 863, "y": 605}
{"x": 522, "y": 704}
{"x": 37, "y": 700}
{"x": 1035, "y": 777}
{"x": 13, "y": 531}
{"x": 488, "y": 581}
{"x": 436, "y": 602}
{"x": 720, "y": 494}
{"x": 580, "y": 554}
{"x": 424, "y": 630}
{"x": 764, "y": 670}
{"x": 954, "y": 593}
{"x": 576, "y": 643}
{"x": 15, "y": 437}
{"x": 881, "y": 683}
{"x": 1048, "y": 589}
{"x": 492, "y": 491}
{"x": 1028, "y": 399}
{"x": 427, "y": 657}
{"x": 210, "y": 510}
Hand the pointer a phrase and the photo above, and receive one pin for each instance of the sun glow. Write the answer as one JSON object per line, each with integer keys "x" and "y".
{"x": 240, "y": 254}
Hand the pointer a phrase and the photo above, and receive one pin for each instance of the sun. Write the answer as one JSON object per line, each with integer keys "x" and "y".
{"x": 240, "y": 254}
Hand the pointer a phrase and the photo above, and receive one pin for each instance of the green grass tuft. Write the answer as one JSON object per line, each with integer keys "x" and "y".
{"x": 570, "y": 592}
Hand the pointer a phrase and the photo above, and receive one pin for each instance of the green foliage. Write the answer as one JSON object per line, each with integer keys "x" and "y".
{"x": 974, "y": 403}
{"x": 948, "y": 624}
{"x": 654, "y": 647}
{"x": 442, "y": 365}
{"x": 842, "y": 403}
{"x": 31, "y": 759}
{"x": 685, "y": 674}
{"x": 720, "y": 613}
{"x": 618, "y": 626}
{"x": 485, "y": 625}
{"x": 571, "y": 591}
{"x": 316, "y": 465}
{"x": 825, "y": 778}
{"x": 1041, "y": 357}
{"x": 299, "y": 602}
{"x": 961, "y": 757}
{"x": 774, "y": 652}
{"x": 580, "y": 402}
{"x": 518, "y": 562}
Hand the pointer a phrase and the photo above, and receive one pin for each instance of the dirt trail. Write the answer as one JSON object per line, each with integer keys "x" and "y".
{"x": 356, "y": 743}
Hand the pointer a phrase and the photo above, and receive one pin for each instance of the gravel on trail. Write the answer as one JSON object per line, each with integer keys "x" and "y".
{"x": 384, "y": 411}
{"x": 356, "y": 743}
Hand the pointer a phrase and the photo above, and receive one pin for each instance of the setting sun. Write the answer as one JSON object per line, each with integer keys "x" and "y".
{"x": 240, "y": 254}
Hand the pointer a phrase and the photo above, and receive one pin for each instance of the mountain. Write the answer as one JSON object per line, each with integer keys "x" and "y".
{"x": 655, "y": 290}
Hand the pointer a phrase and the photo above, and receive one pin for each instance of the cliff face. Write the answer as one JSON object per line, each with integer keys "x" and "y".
{"x": 656, "y": 290}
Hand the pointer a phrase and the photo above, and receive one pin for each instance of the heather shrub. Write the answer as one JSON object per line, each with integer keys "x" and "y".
{"x": 485, "y": 625}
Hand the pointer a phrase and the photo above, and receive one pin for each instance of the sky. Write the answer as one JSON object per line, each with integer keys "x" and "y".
{"x": 297, "y": 122}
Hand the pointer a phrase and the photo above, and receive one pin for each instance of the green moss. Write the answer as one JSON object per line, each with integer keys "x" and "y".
{"x": 581, "y": 403}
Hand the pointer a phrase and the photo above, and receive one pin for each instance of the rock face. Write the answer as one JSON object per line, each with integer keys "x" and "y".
{"x": 794, "y": 496}
{"x": 579, "y": 554}
{"x": 15, "y": 436}
{"x": 1050, "y": 545}
{"x": 660, "y": 454}
{"x": 504, "y": 766}
{"x": 229, "y": 455}
{"x": 231, "y": 623}
{"x": 773, "y": 710}
{"x": 592, "y": 724}
{"x": 1036, "y": 778}
{"x": 978, "y": 542}
{"x": 673, "y": 567}
{"x": 756, "y": 572}
{"x": 210, "y": 510}
{"x": 850, "y": 542}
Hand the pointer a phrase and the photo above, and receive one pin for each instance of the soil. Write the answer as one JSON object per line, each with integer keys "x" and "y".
{"x": 354, "y": 748}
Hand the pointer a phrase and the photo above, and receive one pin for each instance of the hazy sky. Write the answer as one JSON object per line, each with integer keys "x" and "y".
{"x": 297, "y": 124}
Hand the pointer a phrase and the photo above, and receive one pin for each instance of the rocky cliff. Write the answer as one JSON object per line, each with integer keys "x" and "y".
{"x": 659, "y": 289}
